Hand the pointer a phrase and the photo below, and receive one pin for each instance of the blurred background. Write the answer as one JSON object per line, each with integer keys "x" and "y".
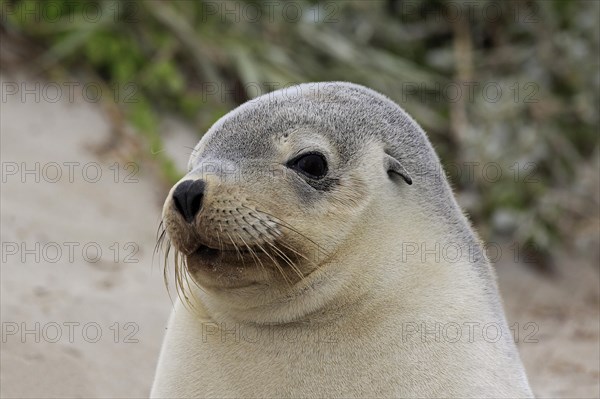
{"x": 508, "y": 92}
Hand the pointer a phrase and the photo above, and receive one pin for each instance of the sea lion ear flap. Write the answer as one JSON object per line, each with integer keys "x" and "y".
{"x": 392, "y": 165}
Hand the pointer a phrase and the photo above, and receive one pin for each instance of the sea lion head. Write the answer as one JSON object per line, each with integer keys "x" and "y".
{"x": 278, "y": 186}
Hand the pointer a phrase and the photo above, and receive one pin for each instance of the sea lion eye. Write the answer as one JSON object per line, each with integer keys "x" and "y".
{"x": 312, "y": 165}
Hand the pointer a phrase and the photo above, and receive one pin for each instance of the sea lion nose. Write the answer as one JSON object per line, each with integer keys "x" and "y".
{"x": 188, "y": 198}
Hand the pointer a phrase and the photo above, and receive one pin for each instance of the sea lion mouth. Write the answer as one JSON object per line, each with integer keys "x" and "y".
{"x": 206, "y": 252}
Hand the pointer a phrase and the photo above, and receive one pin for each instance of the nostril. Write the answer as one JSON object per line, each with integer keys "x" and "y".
{"x": 178, "y": 205}
{"x": 195, "y": 204}
{"x": 187, "y": 198}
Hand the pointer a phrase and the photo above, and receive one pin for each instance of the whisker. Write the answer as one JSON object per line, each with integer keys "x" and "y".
{"x": 183, "y": 282}
{"x": 160, "y": 234}
{"x": 219, "y": 237}
{"x": 286, "y": 245}
{"x": 252, "y": 252}
{"x": 257, "y": 244}
{"x": 272, "y": 237}
{"x": 166, "y": 270}
{"x": 296, "y": 252}
{"x": 282, "y": 223}
{"x": 270, "y": 257}
{"x": 159, "y": 242}
{"x": 283, "y": 256}
{"x": 239, "y": 254}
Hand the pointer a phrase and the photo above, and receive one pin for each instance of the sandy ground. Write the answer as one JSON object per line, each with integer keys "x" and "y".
{"x": 54, "y": 307}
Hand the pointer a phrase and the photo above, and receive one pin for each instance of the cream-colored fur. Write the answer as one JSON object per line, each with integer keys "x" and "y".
{"x": 389, "y": 308}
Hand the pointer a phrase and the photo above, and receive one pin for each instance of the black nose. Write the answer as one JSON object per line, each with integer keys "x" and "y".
{"x": 188, "y": 198}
